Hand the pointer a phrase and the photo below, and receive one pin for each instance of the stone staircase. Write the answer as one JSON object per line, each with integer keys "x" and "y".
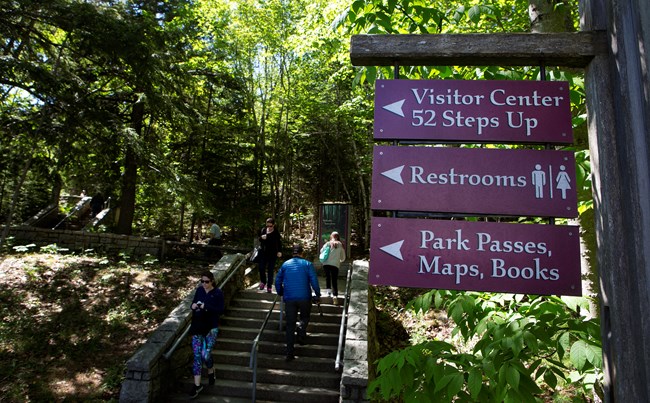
{"x": 309, "y": 378}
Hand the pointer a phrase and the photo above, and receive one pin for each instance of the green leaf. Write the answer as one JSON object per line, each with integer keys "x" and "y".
{"x": 574, "y": 303}
{"x": 456, "y": 384}
{"x": 507, "y": 343}
{"x": 590, "y": 353}
{"x": 384, "y": 20}
{"x": 517, "y": 344}
{"x": 407, "y": 375}
{"x": 527, "y": 385}
{"x": 391, "y": 5}
{"x": 502, "y": 374}
{"x": 459, "y": 14}
{"x": 457, "y": 313}
{"x": 371, "y": 74}
{"x": 393, "y": 383}
{"x": 563, "y": 343}
{"x": 438, "y": 299}
{"x": 358, "y": 5}
{"x": 474, "y": 14}
{"x": 512, "y": 376}
{"x": 550, "y": 379}
{"x": 475, "y": 382}
{"x": 442, "y": 382}
{"x": 578, "y": 354}
{"x": 531, "y": 341}
{"x": 421, "y": 303}
{"x": 595, "y": 356}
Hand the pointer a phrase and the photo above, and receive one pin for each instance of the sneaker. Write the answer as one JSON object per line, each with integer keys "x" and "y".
{"x": 328, "y": 292}
{"x": 269, "y": 289}
{"x": 195, "y": 391}
{"x": 300, "y": 335}
{"x": 335, "y": 300}
{"x": 211, "y": 379}
{"x": 262, "y": 285}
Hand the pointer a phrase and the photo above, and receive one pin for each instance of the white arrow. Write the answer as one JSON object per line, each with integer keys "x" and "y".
{"x": 394, "y": 249}
{"x": 395, "y": 174}
{"x": 396, "y": 107}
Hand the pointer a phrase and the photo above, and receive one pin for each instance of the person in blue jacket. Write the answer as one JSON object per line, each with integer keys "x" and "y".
{"x": 207, "y": 306}
{"x": 294, "y": 282}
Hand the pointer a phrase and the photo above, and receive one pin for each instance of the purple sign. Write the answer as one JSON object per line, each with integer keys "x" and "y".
{"x": 473, "y": 111}
{"x": 475, "y": 256}
{"x": 474, "y": 181}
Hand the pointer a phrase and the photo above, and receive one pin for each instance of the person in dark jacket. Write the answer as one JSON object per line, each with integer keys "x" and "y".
{"x": 207, "y": 306}
{"x": 294, "y": 282}
{"x": 271, "y": 244}
{"x": 96, "y": 204}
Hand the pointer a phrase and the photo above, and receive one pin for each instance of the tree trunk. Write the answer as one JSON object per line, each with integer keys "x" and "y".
{"x": 130, "y": 176}
{"x": 14, "y": 200}
{"x": 364, "y": 216}
{"x": 57, "y": 186}
{"x": 549, "y": 16}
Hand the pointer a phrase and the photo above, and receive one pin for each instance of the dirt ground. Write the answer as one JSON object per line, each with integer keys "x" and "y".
{"x": 68, "y": 323}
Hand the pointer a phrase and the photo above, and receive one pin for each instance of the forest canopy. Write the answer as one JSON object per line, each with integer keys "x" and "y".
{"x": 180, "y": 110}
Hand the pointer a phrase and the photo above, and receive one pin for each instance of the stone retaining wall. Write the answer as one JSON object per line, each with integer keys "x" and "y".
{"x": 108, "y": 243}
{"x": 148, "y": 373}
{"x": 82, "y": 240}
{"x": 354, "y": 379}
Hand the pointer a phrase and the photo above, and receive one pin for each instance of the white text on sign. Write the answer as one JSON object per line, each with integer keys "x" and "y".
{"x": 498, "y": 97}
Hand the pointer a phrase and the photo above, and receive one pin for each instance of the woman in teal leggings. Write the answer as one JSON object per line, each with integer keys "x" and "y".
{"x": 207, "y": 306}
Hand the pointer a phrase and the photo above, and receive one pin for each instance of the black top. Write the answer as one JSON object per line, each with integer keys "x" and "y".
{"x": 272, "y": 244}
{"x": 206, "y": 318}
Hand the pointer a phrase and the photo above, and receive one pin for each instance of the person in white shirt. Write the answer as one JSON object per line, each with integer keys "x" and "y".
{"x": 215, "y": 233}
{"x": 332, "y": 264}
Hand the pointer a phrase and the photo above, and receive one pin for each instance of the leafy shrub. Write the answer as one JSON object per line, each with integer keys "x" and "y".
{"x": 518, "y": 349}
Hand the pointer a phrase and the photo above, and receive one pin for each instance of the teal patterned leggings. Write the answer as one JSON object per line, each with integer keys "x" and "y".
{"x": 202, "y": 349}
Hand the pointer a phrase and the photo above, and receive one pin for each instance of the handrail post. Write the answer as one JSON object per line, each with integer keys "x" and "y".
{"x": 253, "y": 360}
{"x": 344, "y": 319}
{"x": 254, "y": 364}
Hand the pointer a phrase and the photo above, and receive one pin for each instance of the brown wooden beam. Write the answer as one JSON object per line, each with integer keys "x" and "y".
{"x": 575, "y": 49}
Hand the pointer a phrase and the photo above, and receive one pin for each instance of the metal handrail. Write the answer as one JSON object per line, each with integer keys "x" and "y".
{"x": 169, "y": 353}
{"x": 256, "y": 343}
{"x": 344, "y": 320}
{"x": 84, "y": 200}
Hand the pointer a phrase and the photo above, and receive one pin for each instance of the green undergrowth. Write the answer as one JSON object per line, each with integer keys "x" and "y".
{"x": 493, "y": 348}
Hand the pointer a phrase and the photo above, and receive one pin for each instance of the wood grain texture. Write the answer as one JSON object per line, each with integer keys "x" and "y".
{"x": 520, "y": 49}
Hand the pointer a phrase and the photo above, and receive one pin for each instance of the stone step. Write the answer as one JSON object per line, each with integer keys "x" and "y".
{"x": 255, "y": 294}
{"x": 325, "y": 306}
{"x": 302, "y": 363}
{"x": 288, "y": 375}
{"x": 228, "y": 389}
{"x": 260, "y": 314}
{"x": 311, "y": 350}
{"x": 272, "y": 334}
{"x": 315, "y": 325}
